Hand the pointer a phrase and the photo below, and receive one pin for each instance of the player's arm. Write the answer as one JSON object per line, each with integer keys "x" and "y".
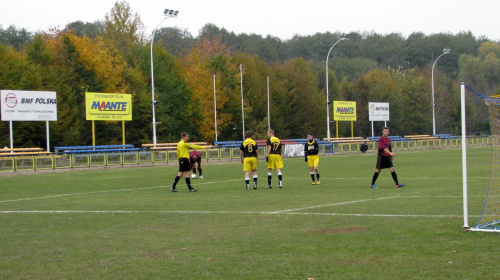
{"x": 196, "y": 147}
{"x": 388, "y": 151}
{"x": 305, "y": 152}
{"x": 242, "y": 150}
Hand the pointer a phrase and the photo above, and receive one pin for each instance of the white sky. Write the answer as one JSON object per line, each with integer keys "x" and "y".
{"x": 281, "y": 18}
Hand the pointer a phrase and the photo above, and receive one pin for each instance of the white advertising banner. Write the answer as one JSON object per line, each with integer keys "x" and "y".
{"x": 378, "y": 111}
{"x": 17, "y": 105}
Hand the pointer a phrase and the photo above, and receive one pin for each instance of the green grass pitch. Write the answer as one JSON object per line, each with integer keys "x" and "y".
{"x": 124, "y": 223}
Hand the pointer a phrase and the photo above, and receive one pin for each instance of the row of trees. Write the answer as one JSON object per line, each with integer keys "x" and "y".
{"x": 114, "y": 56}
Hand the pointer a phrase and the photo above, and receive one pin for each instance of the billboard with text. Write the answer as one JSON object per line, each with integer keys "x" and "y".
{"x": 378, "y": 111}
{"x": 19, "y": 105}
{"x": 344, "y": 110}
{"x": 108, "y": 106}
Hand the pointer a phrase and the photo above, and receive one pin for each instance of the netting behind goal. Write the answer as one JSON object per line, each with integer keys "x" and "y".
{"x": 490, "y": 216}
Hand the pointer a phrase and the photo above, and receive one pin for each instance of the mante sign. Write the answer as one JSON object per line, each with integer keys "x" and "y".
{"x": 18, "y": 105}
{"x": 108, "y": 106}
{"x": 344, "y": 110}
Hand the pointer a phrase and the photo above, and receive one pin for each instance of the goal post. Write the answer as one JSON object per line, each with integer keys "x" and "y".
{"x": 489, "y": 220}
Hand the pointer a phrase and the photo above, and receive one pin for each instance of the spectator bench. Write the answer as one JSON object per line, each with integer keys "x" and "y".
{"x": 7, "y": 152}
{"x": 96, "y": 149}
{"x": 167, "y": 146}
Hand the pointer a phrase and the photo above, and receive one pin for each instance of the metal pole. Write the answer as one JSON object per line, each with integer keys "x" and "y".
{"x": 242, "y": 111}
{"x": 48, "y": 135}
{"x": 343, "y": 37}
{"x": 168, "y": 14}
{"x": 268, "y": 107}
{"x": 445, "y": 51}
{"x": 464, "y": 156}
{"x": 11, "y": 132}
{"x": 215, "y": 111}
{"x": 153, "y": 84}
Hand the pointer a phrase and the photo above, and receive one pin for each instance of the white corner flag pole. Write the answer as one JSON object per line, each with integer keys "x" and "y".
{"x": 464, "y": 156}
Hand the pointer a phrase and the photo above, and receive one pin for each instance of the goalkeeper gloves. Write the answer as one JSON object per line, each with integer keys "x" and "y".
{"x": 306, "y": 158}
{"x": 267, "y": 159}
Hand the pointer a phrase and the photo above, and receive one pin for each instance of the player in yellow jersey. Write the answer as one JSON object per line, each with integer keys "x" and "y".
{"x": 311, "y": 150}
{"x": 248, "y": 154}
{"x": 273, "y": 159}
{"x": 183, "y": 156}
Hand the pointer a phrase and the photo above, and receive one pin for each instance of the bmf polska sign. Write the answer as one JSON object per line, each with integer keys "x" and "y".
{"x": 18, "y": 105}
{"x": 378, "y": 111}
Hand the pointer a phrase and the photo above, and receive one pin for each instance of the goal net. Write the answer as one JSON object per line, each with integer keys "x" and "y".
{"x": 489, "y": 219}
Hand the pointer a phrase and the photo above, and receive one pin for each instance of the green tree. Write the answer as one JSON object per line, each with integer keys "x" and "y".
{"x": 175, "y": 40}
{"x": 482, "y": 72}
{"x": 89, "y": 29}
{"x": 302, "y": 104}
{"x": 123, "y": 28}
{"x": 16, "y": 37}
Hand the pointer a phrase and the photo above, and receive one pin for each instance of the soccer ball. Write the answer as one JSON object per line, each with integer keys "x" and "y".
{"x": 193, "y": 176}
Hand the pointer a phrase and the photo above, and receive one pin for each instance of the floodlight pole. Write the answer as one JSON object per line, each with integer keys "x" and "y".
{"x": 215, "y": 111}
{"x": 268, "y": 107}
{"x": 343, "y": 37}
{"x": 168, "y": 14}
{"x": 445, "y": 51}
{"x": 464, "y": 156}
{"x": 242, "y": 109}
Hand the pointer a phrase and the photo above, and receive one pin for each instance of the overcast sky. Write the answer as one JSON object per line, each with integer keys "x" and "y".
{"x": 281, "y": 18}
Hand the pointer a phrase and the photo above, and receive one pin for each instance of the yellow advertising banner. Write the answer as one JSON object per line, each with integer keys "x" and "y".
{"x": 108, "y": 106}
{"x": 344, "y": 110}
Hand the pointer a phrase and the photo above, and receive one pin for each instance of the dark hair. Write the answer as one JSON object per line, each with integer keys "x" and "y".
{"x": 310, "y": 133}
{"x": 248, "y": 134}
{"x": 184, "y": 134}
{"x": 385, "y": 127}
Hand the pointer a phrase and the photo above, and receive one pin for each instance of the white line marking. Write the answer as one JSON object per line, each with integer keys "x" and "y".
{"x": 335, "y": 204}
{"x": 95, "y": 192}
{"x": 227, "y": 212}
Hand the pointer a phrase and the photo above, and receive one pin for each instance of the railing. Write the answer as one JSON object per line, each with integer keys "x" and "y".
{"x": 413, "y": 144}
{"x": 57, "y": 161}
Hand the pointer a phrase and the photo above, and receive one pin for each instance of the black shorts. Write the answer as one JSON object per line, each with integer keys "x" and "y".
{"x": 384, "y": 162}
{"x": 184, "y": 165}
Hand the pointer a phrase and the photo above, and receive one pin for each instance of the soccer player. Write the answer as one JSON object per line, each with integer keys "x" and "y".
{"x": 311, "y": 150}
{"x": 194, "y": 158}
{"x": 183, "y": 156}
{"x": 248, "y": 155}
{"x": 273, "y": 159}
{"x": 384, "y": 159}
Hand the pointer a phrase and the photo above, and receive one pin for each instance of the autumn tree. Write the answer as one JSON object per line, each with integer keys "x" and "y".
{"x": 123, "y": 28}
{"x": 210, "y": 57}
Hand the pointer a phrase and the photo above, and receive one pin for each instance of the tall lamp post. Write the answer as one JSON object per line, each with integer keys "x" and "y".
{"x": 343, "y": 37}
{"x": 168, "y": 14}
{"x": 242, "y": 109}
{"x": 215, "y": 111}
{"x": 445, "y": 51}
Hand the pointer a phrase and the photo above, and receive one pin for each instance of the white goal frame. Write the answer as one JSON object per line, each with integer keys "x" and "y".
{"x": 464, "y": 168}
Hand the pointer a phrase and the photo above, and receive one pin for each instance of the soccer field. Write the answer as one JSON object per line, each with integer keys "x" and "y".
{"x": 124, "y": 223}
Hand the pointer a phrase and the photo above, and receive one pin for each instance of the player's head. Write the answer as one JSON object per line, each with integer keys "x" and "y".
{"x": 185, "y": 135}
{"x": 310, "y": 136}
{"x": 385, "y": 131}
{"x": 195, "y": 157}
{"x": 270, "y": 132}
{"x": 248, "y": 134}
